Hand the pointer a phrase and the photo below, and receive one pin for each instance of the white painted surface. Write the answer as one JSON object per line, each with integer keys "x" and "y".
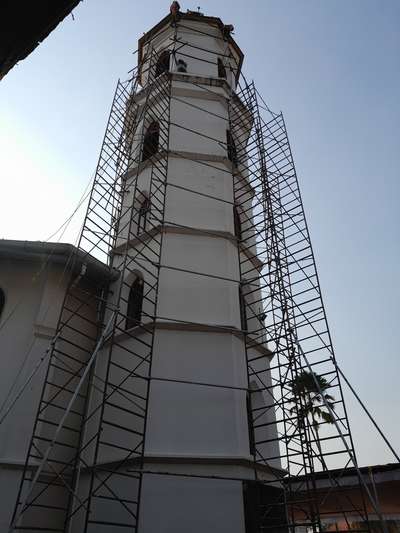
{"x": 35, "y": 295}
{"x": 179, "y": 505}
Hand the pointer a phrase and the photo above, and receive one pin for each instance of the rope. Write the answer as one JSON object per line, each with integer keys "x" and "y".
{"x": 17, "y": 305}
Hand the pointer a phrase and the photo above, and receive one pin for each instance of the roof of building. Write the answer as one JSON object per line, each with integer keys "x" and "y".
{"x": 198, "y": 17}
{"x": 61, "y": 253}
{"x": 24, "y": 25}
{"x": 351, "y": 471}
{"x": 388, "y": 467}
{"x": 349, "y": 477}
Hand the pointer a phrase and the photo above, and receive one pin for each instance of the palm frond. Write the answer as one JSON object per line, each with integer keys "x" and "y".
{"x": 327, "y": 417}
{"x": 308, "y": 390}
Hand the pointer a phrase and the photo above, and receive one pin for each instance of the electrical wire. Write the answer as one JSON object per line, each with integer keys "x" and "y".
{"x": 63, "y": 227}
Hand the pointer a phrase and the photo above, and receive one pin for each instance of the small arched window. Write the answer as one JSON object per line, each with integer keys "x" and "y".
{"x": 181, "y": 66}
{"x": 162, "y": 63}
{"x": 221, "y": 68}
{"x": 250, "y": 426}
{"x": 144, "y": 211}
{"x": 2, "y": 301}
{"x": 135, "y": 303}
{"x": 242, "y": 305}
{"x": 151, "y": 140}
{"x": 237, "y": 223}
{"x": 231, "y": 148}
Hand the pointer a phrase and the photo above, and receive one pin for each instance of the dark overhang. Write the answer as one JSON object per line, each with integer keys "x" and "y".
{"x": 25, "y": 24}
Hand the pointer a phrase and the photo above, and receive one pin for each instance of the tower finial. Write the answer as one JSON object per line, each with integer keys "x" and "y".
{"x": 174, "y": 8}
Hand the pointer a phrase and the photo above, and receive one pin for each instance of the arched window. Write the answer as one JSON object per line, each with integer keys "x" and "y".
{"x": 237, "y": 224}
{"x": 242, "y": 305}
{"x": 135, "y": 303}
{"x": 2, "y": 300}
{"x": 144, "y": 211}
{"x": 151, "y": 139}
{"x": 162, "y": 63}
{"x": 181, "y": 66}
{"x": 221, "y": 68}
{"x": 252, "y": 443}
{"x": 231, "y": 148}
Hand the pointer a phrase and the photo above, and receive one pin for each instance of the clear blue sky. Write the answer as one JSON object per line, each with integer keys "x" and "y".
{"x": 331, "y": 66}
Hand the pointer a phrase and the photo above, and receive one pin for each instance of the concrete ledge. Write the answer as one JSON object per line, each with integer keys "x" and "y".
{"x": 176, "y": 325}
{"x": 168, "y": 227}
{"x": 43, "y": 332}
{"x": 189, "y": 156}
{"x": 12, "y": 464}
{"x": 240, "y": 467}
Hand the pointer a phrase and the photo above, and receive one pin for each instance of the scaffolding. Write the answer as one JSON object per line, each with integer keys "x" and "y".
{"x": 282, "y": 308}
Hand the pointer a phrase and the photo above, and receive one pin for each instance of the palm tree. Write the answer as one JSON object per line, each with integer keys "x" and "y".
{"x": 309, "y": 399}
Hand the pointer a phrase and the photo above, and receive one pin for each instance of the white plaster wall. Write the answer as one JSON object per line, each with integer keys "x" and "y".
{"x": 26, "y": 335}
{"x": 196, "y": 130}
{"x": 9, "y": 485}
{"x": 202, "y": 299}
{"x": 36, "y": 297}
{"x": 204, "y": 356}
{"x": 262, "y": 402}
{"x": 104, "y": 508}
{"x": 168, "y": 504}
{"x": 210, "y": 256}
{"x": 190, "y": 504}
{"x": 210, "y": 120}
{"x": 202, "y": 60}
{"x": 130, "y": 361}
{"x": 78, "y": 340}
{"x": 186, "y": 208}
{"x": 190, "y": 419}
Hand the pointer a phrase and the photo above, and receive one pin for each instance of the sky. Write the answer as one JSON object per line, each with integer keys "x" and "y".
{"x": 331, "y": 66}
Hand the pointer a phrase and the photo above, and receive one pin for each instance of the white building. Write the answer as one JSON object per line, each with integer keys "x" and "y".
{"x": 33, "y": 280}
{"x": 172, "y": 449}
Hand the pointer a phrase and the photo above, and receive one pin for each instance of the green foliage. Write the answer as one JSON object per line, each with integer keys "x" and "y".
{"x": 310, "y": 399}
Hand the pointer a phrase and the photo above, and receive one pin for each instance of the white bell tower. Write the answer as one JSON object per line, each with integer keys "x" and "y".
{"x": 162, "y": 420}
{"x": 189, "y": 134}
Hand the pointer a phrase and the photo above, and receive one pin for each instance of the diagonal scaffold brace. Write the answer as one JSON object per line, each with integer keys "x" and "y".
{"x": 92, "y": 359}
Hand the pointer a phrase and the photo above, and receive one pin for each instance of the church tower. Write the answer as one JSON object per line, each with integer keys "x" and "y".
{"x": 184, "y": 308}
{"x": 158, "y": 424}
{"x": 172, "y": 400}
